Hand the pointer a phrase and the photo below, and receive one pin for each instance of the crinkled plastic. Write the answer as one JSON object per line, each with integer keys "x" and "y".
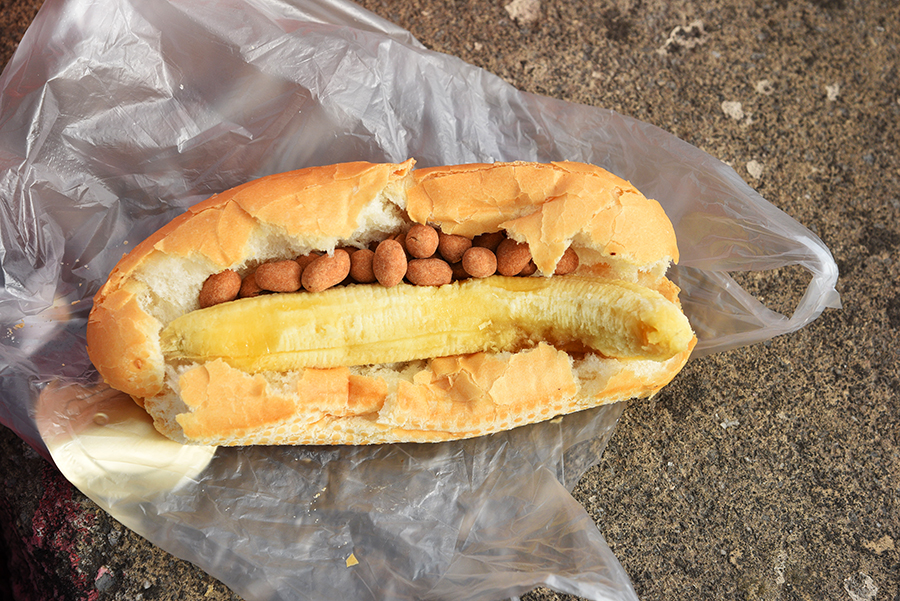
{"x": 117, "y": 115}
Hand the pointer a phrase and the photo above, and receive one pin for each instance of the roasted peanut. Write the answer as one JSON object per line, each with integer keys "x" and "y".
{"x": 567, "y": 263}
{"x": 421, "y": 241}
{"x": 220, "y": 288}
{"x": 249, "y": 287}
{"x": 479, "y": 262}
{"x": 512, "y": 257}
{"x": 326, "y": 271}
{"x": 279, "y": 276}
{"x": 529, "y": 269}
{"x": 304, "y": 260}
{"x": 389, "y": 263}
{"x": 459, "y": 272}
{"x": 361, "y": 266}
{"x": 429, "y": 272}
{"x": 400, "y": 239}
{"x": 490, "y": 240}
{"x": 453, "y": 247}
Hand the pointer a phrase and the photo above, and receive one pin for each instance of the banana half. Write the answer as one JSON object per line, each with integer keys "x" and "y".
{"x": 362, "y": 325}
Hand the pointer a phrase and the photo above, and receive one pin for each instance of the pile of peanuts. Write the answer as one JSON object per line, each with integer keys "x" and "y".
{"x": 423, "y": 255}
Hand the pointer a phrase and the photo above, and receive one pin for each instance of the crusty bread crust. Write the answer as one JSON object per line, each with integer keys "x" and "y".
{"x": 548, "y": 206}
{"x": 617, "y": 232}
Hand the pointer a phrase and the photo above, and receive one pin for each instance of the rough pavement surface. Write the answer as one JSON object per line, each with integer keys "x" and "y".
{"x": 769, "y": 472}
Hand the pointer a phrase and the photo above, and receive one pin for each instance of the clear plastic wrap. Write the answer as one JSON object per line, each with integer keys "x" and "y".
{"x": 115, "y": 116}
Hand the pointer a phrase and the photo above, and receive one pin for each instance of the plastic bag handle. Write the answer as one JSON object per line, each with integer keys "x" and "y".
{"x": 760, "y": 237}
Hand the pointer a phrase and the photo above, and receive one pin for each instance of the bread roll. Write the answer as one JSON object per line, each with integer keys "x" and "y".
{"x": 624, "y": 245}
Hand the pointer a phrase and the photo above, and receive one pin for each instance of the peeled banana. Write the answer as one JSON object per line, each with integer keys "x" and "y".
{"x": 361, "y": 325}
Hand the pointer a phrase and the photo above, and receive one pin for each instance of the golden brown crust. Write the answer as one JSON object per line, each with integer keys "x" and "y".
{"x": 120, "y": 337}
{"x": 453, "y": 397}
{"x": 548, "y": 206}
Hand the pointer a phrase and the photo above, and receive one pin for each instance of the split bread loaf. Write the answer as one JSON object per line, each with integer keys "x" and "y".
{"x": 364, "y": 363}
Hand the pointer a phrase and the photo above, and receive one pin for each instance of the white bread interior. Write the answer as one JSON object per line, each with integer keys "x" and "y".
{"x": 616, "y": 232}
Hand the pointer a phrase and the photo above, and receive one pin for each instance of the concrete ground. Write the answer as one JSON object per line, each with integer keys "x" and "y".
{"x": 768, "y": 472}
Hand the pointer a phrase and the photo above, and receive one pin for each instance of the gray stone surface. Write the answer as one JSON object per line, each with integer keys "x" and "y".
{"x": 769, "y": 472}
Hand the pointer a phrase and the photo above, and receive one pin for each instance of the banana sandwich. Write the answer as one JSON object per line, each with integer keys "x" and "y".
{"x": 364, "y": 303}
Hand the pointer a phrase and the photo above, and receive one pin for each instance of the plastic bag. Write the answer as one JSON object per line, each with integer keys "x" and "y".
{"x": 115, "y": 116}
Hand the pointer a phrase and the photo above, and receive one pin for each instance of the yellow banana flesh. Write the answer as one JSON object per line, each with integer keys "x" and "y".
{"x": 369, "y": 324}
